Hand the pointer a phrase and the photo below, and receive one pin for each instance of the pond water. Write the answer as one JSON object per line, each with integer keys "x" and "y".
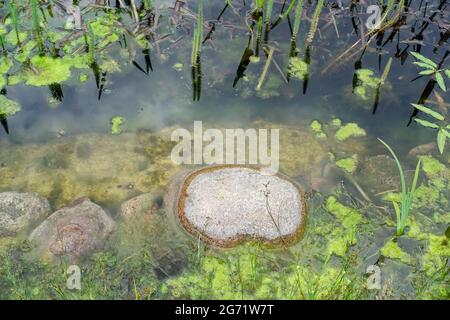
{"x": 63, "y": 144}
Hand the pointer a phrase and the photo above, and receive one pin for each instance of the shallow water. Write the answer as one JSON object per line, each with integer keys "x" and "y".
{"x": 65, "y": 150}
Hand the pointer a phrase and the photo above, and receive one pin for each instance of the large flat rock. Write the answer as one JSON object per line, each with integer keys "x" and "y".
{"x": 225, "y": 205}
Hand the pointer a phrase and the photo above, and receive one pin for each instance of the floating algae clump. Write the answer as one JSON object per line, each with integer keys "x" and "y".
{"x": 393, "y": 251}
{"x": 437, "y": 254}
{"x": 116, "y": 124}
{"x": 348, "y": 164}
{"x": 350, "y": 130}
{"x": 433, "y": 168}
{"x": 8, "y": 107}
{"x": 342, "y": 238}
{"x": 297, "y": 68}
{"x": 48, "y": 71}
{"x": 350, "y": 217}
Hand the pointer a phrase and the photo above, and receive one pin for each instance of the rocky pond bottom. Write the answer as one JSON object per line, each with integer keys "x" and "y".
{"x": 141, "y": 228}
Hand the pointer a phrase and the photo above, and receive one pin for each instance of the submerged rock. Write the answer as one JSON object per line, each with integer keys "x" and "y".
{"x": 378, "y": 174}
{"x": 18, "y": 210}
{"x": 75, "y": 230}
{"x": 143, "y": 206}
{"x": 225, "y": 205}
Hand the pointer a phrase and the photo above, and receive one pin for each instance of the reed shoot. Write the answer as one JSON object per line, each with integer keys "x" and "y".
{"x": 14, "y": 19}
{"x": 406, "y": 196}
{"x": 315, "y": 21}
{"x": 195, "y": 55}
{"x": 36, "y": 25}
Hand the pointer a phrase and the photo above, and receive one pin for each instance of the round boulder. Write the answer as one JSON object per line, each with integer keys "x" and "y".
{"x": 75, "y": 230}
{"x": 142, "y": 206}
{"x": 226, "y": 205}
{"x": 19, "y": 210}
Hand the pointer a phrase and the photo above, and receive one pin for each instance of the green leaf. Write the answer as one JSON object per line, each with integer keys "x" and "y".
{"x": 397, "y": 212}
{"x": 447, "y": 73}
{"x": 416, "y": 176}
{"x": 428, "y": 111}
{"x": 446, "y": 133}
{"x": 399, "y": 166}
{"x": 440, "y": 81}
{"x": 427, "y": 72}
{"x": 420, "y": 57}
{"x": 441, "y": 140}
{"x": 424, "y": 65}
{"x": 426, "y": 123}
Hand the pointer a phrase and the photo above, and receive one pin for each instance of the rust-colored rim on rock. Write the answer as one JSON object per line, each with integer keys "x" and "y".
{"x": 231, "y": 242}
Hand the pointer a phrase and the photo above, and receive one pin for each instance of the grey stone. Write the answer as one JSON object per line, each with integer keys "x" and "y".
{"x": 75, "y": 230}
{"x": 19, "y": 210}
{"x": 225, "y": 205}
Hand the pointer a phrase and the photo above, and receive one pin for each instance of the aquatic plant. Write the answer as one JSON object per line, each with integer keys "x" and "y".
{"x": 47, "y": 71}
{"x": 316, "y": 127}
{"x": 406, "y": 196}
{"x": 431, "y": 69}
{"x": 267, "y": 17}
{"x": 315, "y": 21}
{"x": 297, "y": 68}
{"x": 298, "y": 16}
{"x": 349, "y": 130}
{"x": 443, "y": 130}
{"x": 284, "y": 15}
{"x": 14, "y": 19}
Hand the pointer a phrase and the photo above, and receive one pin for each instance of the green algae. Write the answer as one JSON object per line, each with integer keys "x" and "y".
{"x": 348, "y": 164}
{"x": 83, "y": 78}
{"x": 350, "y": 217}
{"x": 5, "y": 66}
{"x": 437, "y": 254}
{"x": 316, "y": 127}
{"x": 344, "y": 237}
{"x": 178, "y": 66}
{"x": 297, "y": 68}
{"x": 393, "y": 251}
{"x": 11, "y": 37}
{"x": 366, "y": 83}
{"x": 349, "y": 130}
{"x": 116, "y": 124}
{"x": 246, "y": 274}
{"x": 433, "y": 168}
{"x": 442, "y": 218}
{"x": 8, "y": 107}
{"x": 48, "y": 71}
{"x": 25, "y": 51}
